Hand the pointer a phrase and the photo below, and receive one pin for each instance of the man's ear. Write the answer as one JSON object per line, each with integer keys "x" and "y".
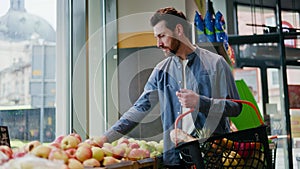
{"x": 179, "y": 30}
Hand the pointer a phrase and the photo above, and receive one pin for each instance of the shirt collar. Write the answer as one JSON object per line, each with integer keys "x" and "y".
{"x": 190, "y": 57}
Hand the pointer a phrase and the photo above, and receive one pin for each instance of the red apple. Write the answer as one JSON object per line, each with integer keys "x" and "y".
{"x": 71, "y": 152}
{"x": 59, "y": 139}
{"x": 75, "y": 164}
{"x": 58, "y": 154}
{"x": 19, "y": 154}
{"x": 55, "y": 145}
{"x": 133, "y": 145}
{"x": 95, "y": 141}
{"x": 69, "y": 142}
{"x": 123, "y": 140}
{"x": 138, "y": 154}
{"x": 118, "y": 152}
{"x": 6, "y": 150}
{"x": 91, "y": 163}
{"x": 83, "y": 153}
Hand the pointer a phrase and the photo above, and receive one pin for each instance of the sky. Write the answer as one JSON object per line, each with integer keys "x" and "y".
{"x": 44, "y": 8}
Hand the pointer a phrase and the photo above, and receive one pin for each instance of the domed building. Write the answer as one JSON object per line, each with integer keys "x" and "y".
{"x": 20, "y": 34}
{"x": 18, "y": 25}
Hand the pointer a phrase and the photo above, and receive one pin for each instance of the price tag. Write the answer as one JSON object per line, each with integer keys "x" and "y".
{"x": 4, "y": 137}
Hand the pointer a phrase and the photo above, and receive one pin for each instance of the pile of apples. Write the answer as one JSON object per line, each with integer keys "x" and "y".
{"x": 77, "y": 154}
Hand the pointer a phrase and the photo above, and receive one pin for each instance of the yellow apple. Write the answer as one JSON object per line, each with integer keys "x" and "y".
{"x": 98, "y": 153}
{"x": 69, "y": 142}
{"x": 91, "y": 163}
{"x": 31, "y": 145}
{"x": 110, "y": 160}
{"x": 75, "y": 164}
{"x": 41, "y": 151}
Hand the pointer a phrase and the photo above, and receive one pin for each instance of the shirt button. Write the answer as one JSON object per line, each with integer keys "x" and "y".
{"x": 179, "y": 67}
{"x": 179, "y": 82}
{"x": 178, "y": 112}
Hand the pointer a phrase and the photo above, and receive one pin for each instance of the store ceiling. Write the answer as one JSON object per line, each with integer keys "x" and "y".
{"x": 285, "y": 4}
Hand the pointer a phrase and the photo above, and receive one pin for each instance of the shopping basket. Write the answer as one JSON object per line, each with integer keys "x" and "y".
{"x": 247, "y": 148}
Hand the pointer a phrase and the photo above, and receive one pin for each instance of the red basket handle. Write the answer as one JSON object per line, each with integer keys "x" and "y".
{"x": 234, "y": 100}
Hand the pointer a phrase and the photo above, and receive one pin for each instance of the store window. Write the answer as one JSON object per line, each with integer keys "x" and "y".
{"x": 27, "y": 68}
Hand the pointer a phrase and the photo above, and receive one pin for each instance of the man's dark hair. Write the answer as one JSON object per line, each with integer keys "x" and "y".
{"x": 172, "y": 17}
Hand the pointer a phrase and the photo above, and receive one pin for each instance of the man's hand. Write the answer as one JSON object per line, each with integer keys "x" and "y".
{"x": 178, "y": 136}
{"x": 188, "y": 98}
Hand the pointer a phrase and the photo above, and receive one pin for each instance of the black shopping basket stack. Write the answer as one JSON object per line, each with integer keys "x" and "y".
{"x": 247, "y": 148}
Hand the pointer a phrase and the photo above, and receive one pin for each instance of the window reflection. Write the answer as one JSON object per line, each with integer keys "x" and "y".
{"x": 27, "y": 68}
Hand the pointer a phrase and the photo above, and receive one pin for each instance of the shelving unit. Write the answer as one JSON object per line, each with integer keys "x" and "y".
{"x": 270, "y": 53}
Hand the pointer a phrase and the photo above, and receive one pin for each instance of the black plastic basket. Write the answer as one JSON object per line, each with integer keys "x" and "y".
{"x": 247, "y": 148}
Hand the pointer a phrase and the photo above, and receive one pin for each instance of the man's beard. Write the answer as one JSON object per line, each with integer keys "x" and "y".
{"x": 173, "y": 47}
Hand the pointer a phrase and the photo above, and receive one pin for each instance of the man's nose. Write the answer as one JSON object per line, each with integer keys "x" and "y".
{"x": 159, "y": 43}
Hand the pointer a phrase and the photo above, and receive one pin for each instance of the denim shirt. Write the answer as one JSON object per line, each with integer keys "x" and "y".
{"x": 207, "y": 74}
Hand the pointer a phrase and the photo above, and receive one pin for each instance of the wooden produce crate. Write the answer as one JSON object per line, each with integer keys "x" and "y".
{"x": 121, "y": 165}
{"x": 148, "y": 163}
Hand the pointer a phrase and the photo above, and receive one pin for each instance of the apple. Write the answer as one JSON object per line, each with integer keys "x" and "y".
{"x": 118, "y": 152}
{"x": 19, "y": 154}
{"x": 138, "y": 154}
{"x": 31, "y": 145}
{"x": 75, "y": 164}
{"x": 159, "y": 147}
{"x": 69, "y": 142}
{"x": 91, "y": 163}
{"x": 123, "y": 140}
{"x": 133, "y": 145}
{"x": 77, "y": 136}
{"x": 86, "y": 144}
{"x": 59, "y": 139}
{"x": 96, "y": 141}
{"x": 3, "y": 158}
{"x": 83, "y": 153}
{"x": 58, "y": 154}
{"x": 107, "y": 148}
{"x": 98, "y": 153}
{"x": 55, "y": 145}
{"x": 41, "y": 151}
{"x": 71, "y": 152}
{"x": 108, "y": 160}
{"x": 6, "y": 150}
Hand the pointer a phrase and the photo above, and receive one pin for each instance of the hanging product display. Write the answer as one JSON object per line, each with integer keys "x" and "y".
{"x": 209, "y": 27}
{"x": 199, "y": 27}
{"x": 221, "y": 35}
